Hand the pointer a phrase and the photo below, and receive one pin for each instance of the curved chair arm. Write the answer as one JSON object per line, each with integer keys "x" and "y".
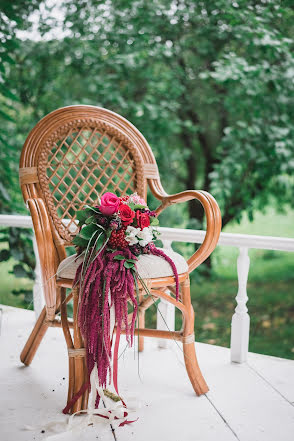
{"x": 47, "y": 252}
{"x": 213, "y": 220}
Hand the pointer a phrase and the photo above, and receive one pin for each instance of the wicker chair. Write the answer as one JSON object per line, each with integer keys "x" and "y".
{"x": 70, "y": 157}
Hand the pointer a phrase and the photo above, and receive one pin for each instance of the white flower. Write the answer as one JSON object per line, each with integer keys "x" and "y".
{"x": 131, "y": 233}
{"x": 135, "y": 235}
{"x": 145, "y": 236}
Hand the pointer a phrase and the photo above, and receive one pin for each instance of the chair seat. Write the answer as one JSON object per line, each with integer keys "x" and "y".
{"x": 148, "y": 265}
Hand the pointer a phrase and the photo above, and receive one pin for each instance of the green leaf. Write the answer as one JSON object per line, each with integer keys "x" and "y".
{"x": 138, "y": 206}
{"x": 86, "y": 232}
{"x": 128, "y": 265}
{"x": 95, "y": 210}
{"x": 154, "y": 221}
{"x": 82, "y": 215}
{"x": 90, "y": 220}
{"x": 80, "y": 241}
{"x": 119, "y": 257}
{"x": 131, "y": 260}
{"x": 100, "y": 241}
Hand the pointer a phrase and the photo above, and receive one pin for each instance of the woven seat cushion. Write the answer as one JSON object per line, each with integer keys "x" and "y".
{"x": 148, "y": 266}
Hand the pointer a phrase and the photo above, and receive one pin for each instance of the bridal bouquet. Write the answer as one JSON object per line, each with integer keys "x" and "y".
{"x": 125, "y": 221}
{"x": 112, "y": 237}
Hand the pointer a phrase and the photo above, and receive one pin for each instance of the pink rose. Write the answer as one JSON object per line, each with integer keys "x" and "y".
{"x": 109, "y": 204}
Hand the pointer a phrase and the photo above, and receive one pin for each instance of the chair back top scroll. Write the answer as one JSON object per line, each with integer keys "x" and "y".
{"x": 75, "y": 154}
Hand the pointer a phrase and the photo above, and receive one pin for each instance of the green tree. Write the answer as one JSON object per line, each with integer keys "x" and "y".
{"x": 210, "y": 84}
{"x": 13, "y": 16}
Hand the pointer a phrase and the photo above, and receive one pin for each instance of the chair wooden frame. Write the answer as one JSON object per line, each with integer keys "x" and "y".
{"x": 52, "y": 237}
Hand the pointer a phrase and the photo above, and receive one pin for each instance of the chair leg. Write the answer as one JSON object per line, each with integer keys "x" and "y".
{"x": 34, "y": 339}
{"x": 193, "y": 369}
{"x": 77, "y": 383}
{"x": 85, "y": 398}
{"x": 77, "y": 367}
{"x": 79, "y": 362}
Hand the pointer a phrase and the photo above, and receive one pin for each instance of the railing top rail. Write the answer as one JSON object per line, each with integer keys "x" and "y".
{"x": 16, "y": 220}
{"x": 229, "y": 239}
{"x": 186, "y": 235}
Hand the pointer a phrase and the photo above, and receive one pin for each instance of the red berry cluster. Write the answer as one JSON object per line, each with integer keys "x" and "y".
{"x": 124, "y": 198}
{"x": 117, "y": 239}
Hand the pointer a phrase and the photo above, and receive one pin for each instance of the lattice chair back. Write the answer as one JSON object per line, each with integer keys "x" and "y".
{"x": 75, "y": 154}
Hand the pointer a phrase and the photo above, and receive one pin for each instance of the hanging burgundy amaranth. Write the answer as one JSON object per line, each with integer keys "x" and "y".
{"x": 112, "y": 236}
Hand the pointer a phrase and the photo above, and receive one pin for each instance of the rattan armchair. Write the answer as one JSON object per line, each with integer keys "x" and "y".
{"x": 69, "y": 158}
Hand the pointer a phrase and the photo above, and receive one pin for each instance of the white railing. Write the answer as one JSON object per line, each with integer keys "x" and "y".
{"x": 18, "y": 221}
{"x": 240, "y": 319}
{"x": 240, "y": 324}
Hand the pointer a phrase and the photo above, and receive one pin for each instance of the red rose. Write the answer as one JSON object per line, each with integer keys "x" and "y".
{"x": 143, "y": 220}
{"x": 126, "y": 214}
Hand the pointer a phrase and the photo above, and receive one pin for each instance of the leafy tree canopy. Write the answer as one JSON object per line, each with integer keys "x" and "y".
{"x": 13, "y": 16}
{"x": 209, "y": 83}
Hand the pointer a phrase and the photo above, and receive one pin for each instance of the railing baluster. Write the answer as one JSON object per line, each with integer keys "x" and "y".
{"x": 165, "y": 320}
{"x": 241, "y": 319}
{"x": 165, "y": 311}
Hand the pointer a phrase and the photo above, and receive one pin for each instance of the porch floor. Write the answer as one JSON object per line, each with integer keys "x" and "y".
{"x": 248, "y": 402}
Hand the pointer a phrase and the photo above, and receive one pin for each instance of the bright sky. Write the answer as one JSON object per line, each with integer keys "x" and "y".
{"x": 54, "y": 16}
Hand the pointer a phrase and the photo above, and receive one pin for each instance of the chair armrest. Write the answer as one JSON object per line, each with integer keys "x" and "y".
{"x": 213, "y": 221}
{"x": 47, "y": 252}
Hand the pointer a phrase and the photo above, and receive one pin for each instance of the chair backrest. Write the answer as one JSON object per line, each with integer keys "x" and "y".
{"x": 75, "y": 154}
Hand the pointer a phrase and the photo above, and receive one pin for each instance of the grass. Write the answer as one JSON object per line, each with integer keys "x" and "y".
{"x": 271, "y": 309}
{"x": 270, "y": 291}
{"x": 9, "y": 283}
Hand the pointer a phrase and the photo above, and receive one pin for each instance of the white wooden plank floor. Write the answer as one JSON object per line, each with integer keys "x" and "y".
{"x": 249, "y": 402}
